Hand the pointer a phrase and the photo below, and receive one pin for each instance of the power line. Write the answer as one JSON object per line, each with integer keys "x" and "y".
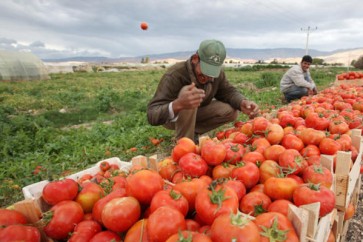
{"x": 308, "y": 30}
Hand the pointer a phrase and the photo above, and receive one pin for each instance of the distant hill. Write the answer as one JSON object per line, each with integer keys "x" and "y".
{"x": 254, "y": 54}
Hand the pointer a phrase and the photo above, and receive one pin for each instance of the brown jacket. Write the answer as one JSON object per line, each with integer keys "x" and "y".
{"x": 179, "y": 75}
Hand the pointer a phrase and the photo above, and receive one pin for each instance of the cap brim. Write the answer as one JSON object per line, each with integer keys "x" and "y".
{"x": 210, "y": 70}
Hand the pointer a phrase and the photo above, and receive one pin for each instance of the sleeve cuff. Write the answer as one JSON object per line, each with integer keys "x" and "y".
{"x": 172, "y": 117}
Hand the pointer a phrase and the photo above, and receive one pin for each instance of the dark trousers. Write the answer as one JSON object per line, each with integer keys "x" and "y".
{"x": 295, "y": 92}
{"x": 203, "y": 119}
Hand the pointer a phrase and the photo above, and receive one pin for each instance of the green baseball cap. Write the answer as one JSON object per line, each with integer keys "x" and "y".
{"x": 212, "y": 54}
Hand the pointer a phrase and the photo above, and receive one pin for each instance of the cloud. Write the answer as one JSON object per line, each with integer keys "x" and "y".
{"x": 111, "y": 28}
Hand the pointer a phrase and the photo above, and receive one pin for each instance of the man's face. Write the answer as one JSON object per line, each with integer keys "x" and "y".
{"x": 203, "y": 79}
{"x": 305, "y": 65}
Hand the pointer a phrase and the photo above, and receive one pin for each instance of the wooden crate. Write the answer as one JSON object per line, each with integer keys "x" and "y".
{"x": 346, "y": 178}
{"x": 308, "y": 225}
{"x": 340, "y": 227}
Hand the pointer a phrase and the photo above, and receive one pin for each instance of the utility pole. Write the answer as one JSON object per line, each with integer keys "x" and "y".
{"x": 308, "y": 30}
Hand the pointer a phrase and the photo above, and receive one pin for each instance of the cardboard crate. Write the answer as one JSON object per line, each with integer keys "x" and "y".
{"x": 34, "y": 191}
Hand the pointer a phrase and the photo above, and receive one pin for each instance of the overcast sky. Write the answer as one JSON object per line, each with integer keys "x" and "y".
{"x": 111, "y": 28}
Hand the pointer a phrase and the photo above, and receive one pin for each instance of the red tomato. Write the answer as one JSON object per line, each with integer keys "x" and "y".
{"x": 192, "y": 225}
{"x": 280, "y": 187}
{"x": 248, "y": 173}
{"x": 259, "y": 144}
{"x": 260, "y": 125}
{"x": 171, "y": 198}
{"x": 167, "y": 168}
{"x": 237, "y": 186}
{"x": 254, "y": 203}
{"x": 213, "y": 153}
{"x": 223, "y": 170}
{"x": 316, "y": 121}
{"x": 189, "y": 189}
{"x": 143, "y": 185}
{"x": 280, "y": 206}
{"x": 310, "y": 150}
{"x": 89, "y": 195}
{"x": 247, "y": 129}
{"x": 57, "y": 191}
{"x": 240, "y": 138}
{"x": 120, "y": 214}
{"x": 17, "y": 232}
{"x": 338, "y": 127}
{"x": 189, "y": 236}
{"x": 318, "y": 174}
{"x": 106, "y": 236}
{"x": 329, "y": 146}
{"x": 183, "y": 146}
{"x": 274, "y": 133}
{"x": 65, "y": 216}
{"x": 254, "y": 157}
{"x": 234, "y": 227}
{"x": 193, "y": 165}
{"x": 100, "y": 204}
{"x": 291, "y": 141}
{"x": 269, "y": 168}
{"x": 349, "y": 212}
{"x": 163, "y": 223}
{"x": 9, "y": 217}
{"x": 273, "y": 152}
{"x": 311, "y": 136}
{"x": 234, "y": 152}
{"x": 258, "y": 188}
{"x": 311, "y": 193}
{"x": 105, "y": 166}
{"x": 84, "y": 231}
{"x": 209, "y": 204}
{"x": 274, "y": 227}
{"x": 144, "y": 26}
{"x": 137, "y": 232}
{"x": 292, "y": 161}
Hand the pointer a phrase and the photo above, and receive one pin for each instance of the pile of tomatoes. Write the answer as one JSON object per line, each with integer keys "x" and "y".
{"x": 351, "y": 75}
{"x": 236, "y": 186}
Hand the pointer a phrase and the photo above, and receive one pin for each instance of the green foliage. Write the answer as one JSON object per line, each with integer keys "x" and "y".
{"x": 268, "y": 79}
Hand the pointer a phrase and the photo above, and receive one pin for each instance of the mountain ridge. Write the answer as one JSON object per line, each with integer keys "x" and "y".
{"x": 232, "y": 53}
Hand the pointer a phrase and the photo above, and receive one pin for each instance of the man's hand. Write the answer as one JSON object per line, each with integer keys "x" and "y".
{"x": 189, "y": 97}
{"x": 250, "y": 108}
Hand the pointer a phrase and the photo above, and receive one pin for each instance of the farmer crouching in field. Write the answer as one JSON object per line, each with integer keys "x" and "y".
{"x": 297, "y": 82}
{"x": 194, "y": 96}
